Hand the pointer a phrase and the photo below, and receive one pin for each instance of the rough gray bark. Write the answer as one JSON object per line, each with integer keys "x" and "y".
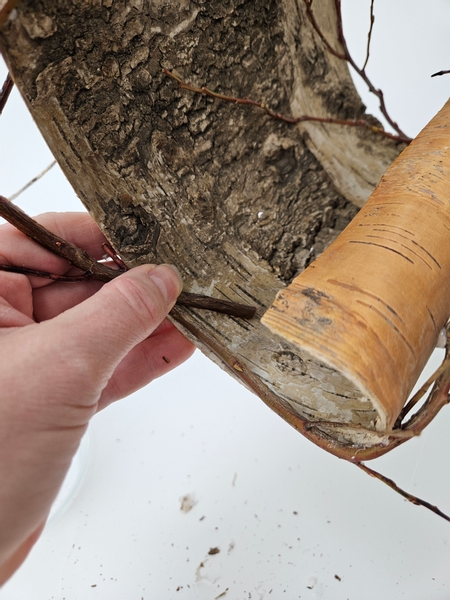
{"x": 241, "y": 202}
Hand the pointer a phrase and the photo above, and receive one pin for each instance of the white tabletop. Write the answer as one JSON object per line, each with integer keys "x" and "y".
{"x": 284, "y": 515}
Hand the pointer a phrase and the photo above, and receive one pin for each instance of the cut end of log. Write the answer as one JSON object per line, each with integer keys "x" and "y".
{"x": 370, "y": 308}
{"x": 311, "y": 320}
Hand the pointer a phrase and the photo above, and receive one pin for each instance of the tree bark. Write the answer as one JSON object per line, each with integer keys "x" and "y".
{"x": 239, "y": 202}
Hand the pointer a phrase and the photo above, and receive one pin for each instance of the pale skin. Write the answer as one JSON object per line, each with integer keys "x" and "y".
{"x": 67, "y": 350}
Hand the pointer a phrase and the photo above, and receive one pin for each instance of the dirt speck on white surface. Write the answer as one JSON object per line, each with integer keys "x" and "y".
{"x": 187, "y": 503}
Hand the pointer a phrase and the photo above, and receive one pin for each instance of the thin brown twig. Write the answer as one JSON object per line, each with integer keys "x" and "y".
{"x": 382, "y": 434}
{"x": 436, "y": 400}
{"x": 278, "y": 116}
{"x": 114, "y": 256}
{"x": 226, "y": 307}
{"x": 43, "y": 274}
{"x": 437, "y": 397}
{"x": 439, "y": 73}
{"x": 30, "y": 183}
{"x": 5, "y": 91}
{"x": 74, "y": 255}
{"x": 345, "y": 55}
{"x": 91, "y": 269}
{"x": 369, "y": 35}
{"x": 315, "y": 24}
{"x": 421, "y": 393}
{"x": 410, "y": 497}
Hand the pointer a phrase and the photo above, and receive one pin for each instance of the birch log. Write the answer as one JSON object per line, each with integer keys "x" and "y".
{"x": 373, "y": 304}
{"x": 239, "y": 202}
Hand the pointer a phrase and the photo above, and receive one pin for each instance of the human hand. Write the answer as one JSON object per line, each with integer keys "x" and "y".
{"x": 67, "y": 350}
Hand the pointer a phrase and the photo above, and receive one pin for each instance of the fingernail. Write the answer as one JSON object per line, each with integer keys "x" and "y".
{"x": 168, "y": 280}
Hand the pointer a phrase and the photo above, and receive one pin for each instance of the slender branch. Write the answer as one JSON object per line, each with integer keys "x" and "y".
{"x": 30, "y": 183}
{"x": 421, "y": 392}
{"x": 43, "y": 274}
{"x": 74, "y": 255}
{"x": 278, "y": 116}
{"x": 203, "y": 90}
{"x": 345, "y": 55}
{"x": 114, "y": 256}
{"x": 5, "y": 92}
{"x": 382, "y": 434}
{"x": 226, "y": 307}
{"x": 410, "y": 497}
{"x": 439, "y": 73}
{"x": 91, "y": 269}
{"x": 315, "y": 24}
{"x": 437, "y": 398}
{"x": 369, "y": 35}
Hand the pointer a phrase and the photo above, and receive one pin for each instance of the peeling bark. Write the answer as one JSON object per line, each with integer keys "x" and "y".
{"x": 240, "y": 203}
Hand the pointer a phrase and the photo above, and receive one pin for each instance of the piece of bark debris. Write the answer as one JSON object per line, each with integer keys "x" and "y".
{"x": 222, "y": 594}
{"x": 214, "y": 551}
{"x": 187, "y": 503}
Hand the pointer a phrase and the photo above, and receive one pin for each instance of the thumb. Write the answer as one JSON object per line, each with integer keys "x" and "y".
{"x": 123, "y": 313}
{"x": 73, "y": 355}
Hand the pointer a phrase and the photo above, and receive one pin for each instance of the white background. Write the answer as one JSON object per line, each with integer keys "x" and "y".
{"x": 290, "y": 520}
